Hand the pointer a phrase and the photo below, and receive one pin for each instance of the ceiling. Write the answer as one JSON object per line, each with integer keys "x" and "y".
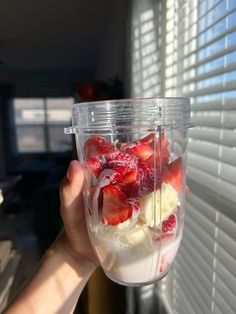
{"x": 52, "y": 34}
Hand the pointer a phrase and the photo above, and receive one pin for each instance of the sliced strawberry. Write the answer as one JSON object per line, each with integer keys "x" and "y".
{"x": 124, "y": 165}
{"x": 144, "y": 182}
{"x": 129, "y": 177}
{"x": 141, "y": 150}
{"x": 145, "y": 147}
{"x": 169, "y": 224}
{"x": 145, "y": 179}
{"x": 148, "y": 139}
{"x": 115, "y": 207}
{"x": 173, "y": 173}
{"x": 151, "y": 139}
{"x": 168, "y": 228}
{"x": 95, "y": 165}
{"x": 121, "y": 159}
{"x": 164, "y": 264}
{"x": 163, "y": 151}
{"x": 162, "y": 146}
{"x": 97, "y": 145}
{"x": 161, "y": 156}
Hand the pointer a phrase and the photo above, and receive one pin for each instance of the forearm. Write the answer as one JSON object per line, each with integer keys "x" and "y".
{"x": 56, "y": 286}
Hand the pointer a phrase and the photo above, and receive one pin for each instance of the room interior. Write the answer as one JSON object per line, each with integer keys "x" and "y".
{"x": 56, "y": 53}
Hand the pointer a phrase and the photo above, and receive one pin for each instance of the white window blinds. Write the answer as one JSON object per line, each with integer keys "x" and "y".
{"x": 198, "y": 58}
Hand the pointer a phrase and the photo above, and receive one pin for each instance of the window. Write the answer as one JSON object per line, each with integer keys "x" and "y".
{"x": 198, "y": 58}
{"x": 39, "y": 124}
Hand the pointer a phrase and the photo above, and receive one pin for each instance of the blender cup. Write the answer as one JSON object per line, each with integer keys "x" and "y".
{"x": 134, "y": 156}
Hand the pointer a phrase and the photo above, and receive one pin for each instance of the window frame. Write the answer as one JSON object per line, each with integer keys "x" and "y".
{"x": 44, "y": 125}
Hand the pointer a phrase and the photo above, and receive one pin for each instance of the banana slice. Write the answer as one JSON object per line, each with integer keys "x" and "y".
{"x": 165, "y": 200}
{"x": 139, "y": 239}
{"x": 126, "y": 237}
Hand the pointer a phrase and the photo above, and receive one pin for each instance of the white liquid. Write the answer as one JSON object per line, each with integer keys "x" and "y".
{"x": 136, "y": 264}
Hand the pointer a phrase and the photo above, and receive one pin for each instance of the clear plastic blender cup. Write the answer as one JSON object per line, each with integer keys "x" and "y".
{"x": 134, "y": 155}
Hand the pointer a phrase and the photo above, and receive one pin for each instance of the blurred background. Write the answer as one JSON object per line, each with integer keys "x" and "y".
{"x": 56, "y": 53}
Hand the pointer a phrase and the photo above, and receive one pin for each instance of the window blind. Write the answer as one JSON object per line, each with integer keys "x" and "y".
{"x": 198, "y": 58}
{"x": 203, "y": 279}
{"x": 38, "y": 123}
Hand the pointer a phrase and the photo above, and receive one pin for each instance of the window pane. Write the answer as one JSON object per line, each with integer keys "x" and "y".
{"x": 231, "y": 20}
{"x": 230, "y": 76}
{"x": 29, "y": 111}
{"x": 213, "y": 32}
{"x": 231, "y": 39}
{"x": 232, "y": 4}
{"x": 210, "y": 66}
{"x": 58, "y": 141}
{"x": 230, "y": 58}
{"x": 30, "y": 139}
{"x": 211, "y": 81}
{"x": 211, "y": 49}
{"x": 59, "y": 110}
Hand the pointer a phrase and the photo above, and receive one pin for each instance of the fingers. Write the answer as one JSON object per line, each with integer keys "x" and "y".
{"x": 72, "y": 184}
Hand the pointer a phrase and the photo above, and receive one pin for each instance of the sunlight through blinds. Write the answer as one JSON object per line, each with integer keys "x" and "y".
{"x": 198, "y": 59}
{"x": 203, "y": 279}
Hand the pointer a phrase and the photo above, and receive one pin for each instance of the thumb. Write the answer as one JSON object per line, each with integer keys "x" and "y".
{"x": 71, "y": 192}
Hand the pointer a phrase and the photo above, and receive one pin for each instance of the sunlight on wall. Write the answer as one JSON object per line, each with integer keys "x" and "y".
{"x": 145, "y": 50}
{"x": 180, "y": 19}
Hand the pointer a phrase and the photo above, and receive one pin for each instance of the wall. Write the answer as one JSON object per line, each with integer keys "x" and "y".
{"x": 2, "y": 156}
{"x": 5, "y": 95}
{"x": 44, "y": 83}
{"x": 112, "y": 55}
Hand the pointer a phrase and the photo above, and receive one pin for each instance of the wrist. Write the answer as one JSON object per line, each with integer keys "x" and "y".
{"x": 80, "y": 263}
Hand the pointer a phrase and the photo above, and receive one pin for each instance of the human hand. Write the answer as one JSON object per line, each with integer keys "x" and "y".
{"x": 68, "y": 263}
{"x": 74, "y": 240}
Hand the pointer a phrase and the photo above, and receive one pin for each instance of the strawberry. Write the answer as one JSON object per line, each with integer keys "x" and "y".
{"x": 173, "y": 173}
{"x": 148, "y": 139}
{"x": 169, "y": 224}
{"x": 121, "y": 159}
{"x": 97, "y": 145}
{"x": 144, "y": 182}
{"x": 141, "y": 150}
{"x": 115, "y": 207}
{"x": 145, "y": 178}
{"x": 168, "y": 228}
{"x": 129, "y": 177}
{"x": 164, "y": 265}
{"x": 95, "y": 165}
{"x": 162, "y": 148}
{"x": 161, "y": 158}
{"x": 144, "y": 148}
{"x": 124, "y": 165}
{"x": 151, "y": 138}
